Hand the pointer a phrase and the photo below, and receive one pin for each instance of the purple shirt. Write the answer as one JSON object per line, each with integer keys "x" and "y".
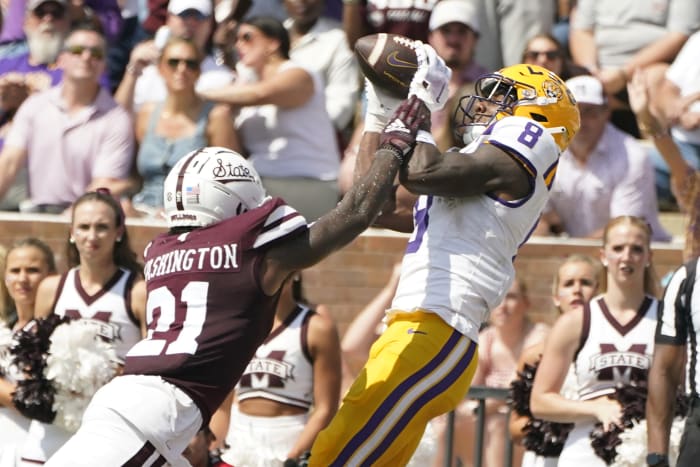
{"x": 13, "y": 21}
{"x": 66, "y": 151}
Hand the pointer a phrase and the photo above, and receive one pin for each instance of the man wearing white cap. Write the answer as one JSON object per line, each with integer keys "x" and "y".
{"x": 191, "y": 19}
{"x": 454, "y": 33}
{"x": 603, "y": 174}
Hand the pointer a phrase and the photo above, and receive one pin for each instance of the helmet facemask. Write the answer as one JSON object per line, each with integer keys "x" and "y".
{"x": 494, "y": 98}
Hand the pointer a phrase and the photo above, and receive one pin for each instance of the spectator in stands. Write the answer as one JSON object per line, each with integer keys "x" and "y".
{"x": 73, "y": 137}
{"x": 506, "y": 26}
{"x": 454, "y": 34}
{"x": 189, "y": 19}
{"x": 46, "y": 25}
{"x": 576, "y": 281}
{"x": 685, "y": 179}
{"x": 283, "y": 124}
{"x": 610, "y": 345}
{"x": 409, "y": 18}
{"x": 546, "y": 51}
{"x": 224, "y": 38}
{"x": 510, "y": 331}
{"x": 29, "y": 261}
{"x": 290, "y": 389}
{"x": 319, "y": 43}
{"x": 676, "y": 101}
{"x": 603, "y": 173}
{"x": 104, "y": 287}
{"x": 166, "y": 131}
{"x": 611, "y": 42}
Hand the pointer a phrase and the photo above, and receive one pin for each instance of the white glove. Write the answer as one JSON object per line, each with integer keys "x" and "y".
{"x": 431, "y": 81}
{"x": 380, "y": 106}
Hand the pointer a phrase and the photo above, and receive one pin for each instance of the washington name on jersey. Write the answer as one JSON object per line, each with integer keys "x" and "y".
{"x": 205, "y": 310}
{"x": 191, "y": 259}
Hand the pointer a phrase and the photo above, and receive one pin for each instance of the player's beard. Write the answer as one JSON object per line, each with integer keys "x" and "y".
{"x": 44, "y": 47}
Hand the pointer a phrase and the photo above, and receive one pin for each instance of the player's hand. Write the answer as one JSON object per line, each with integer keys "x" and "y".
{"x": 431, "y": 81}
{"x": 399, "y": 135}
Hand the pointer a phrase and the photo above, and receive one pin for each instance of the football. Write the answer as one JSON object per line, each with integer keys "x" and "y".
{"x": 388, "y": 60}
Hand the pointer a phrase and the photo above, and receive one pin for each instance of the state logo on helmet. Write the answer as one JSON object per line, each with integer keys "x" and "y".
{"x": 208, "y": 185}
{"x": 526, "y": 90}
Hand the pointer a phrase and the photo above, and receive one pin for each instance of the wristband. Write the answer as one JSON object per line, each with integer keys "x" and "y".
{"x": 396, "y": 152}
{"x": 425, "y": 137}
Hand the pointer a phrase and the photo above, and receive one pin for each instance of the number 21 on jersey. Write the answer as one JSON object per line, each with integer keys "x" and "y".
{"x": 169, "y": 334}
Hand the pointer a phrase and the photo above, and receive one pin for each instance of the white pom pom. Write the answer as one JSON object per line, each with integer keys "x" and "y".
{"x": 632, "y": 451}
{"x": 79, "y": 363}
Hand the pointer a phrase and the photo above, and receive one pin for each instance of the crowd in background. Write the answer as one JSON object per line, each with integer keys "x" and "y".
{"x": 100, "y": 94}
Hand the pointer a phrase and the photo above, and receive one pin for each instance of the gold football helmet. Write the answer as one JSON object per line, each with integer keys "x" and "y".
{"x": 525, "y": 90}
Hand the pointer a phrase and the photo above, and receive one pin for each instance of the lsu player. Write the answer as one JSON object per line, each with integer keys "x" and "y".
{"x": 476, "y": 206}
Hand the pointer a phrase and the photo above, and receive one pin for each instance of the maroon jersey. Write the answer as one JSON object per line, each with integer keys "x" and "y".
{"x": 206, "y": 311}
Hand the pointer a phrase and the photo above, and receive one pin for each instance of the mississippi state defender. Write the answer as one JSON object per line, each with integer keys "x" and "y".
{"x": 213, "y": 283}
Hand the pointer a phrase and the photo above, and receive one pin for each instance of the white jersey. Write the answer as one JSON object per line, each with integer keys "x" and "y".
{"x": 282, "y": 369}
{"x": 459, "y": 259}
{"x": 612, "y": 354}
{"x": 110, "y": 307}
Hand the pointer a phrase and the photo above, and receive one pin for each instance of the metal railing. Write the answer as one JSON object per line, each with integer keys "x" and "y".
{"x": 479, "y": 393}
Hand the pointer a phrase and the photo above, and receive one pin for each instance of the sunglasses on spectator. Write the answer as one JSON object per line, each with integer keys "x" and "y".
{"x": 190, "y": 63}
{"x": 191, "y": 13}
{"x": 533, "y": 54}
{"x": 97, "y": 53}
{"x": 56, "y": 11}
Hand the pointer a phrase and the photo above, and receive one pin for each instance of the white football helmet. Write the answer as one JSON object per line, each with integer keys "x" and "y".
{"x": 208, "y": 185}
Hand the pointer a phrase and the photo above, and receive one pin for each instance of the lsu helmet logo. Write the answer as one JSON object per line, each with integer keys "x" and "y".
{"x": 552, "y": 90}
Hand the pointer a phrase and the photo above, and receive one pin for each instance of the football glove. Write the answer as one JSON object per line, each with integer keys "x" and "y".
{"x": 432, "y": 78}
{"x": 399, "y": 135}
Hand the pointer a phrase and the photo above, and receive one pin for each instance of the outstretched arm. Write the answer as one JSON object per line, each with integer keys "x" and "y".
{"x": 358, "y": 208}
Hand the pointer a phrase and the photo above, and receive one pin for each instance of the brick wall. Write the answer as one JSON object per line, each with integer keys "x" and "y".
{"x": 348, "y": 279}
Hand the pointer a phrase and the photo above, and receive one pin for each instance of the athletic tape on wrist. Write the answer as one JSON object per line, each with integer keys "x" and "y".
{"x": 425, "y": 137}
